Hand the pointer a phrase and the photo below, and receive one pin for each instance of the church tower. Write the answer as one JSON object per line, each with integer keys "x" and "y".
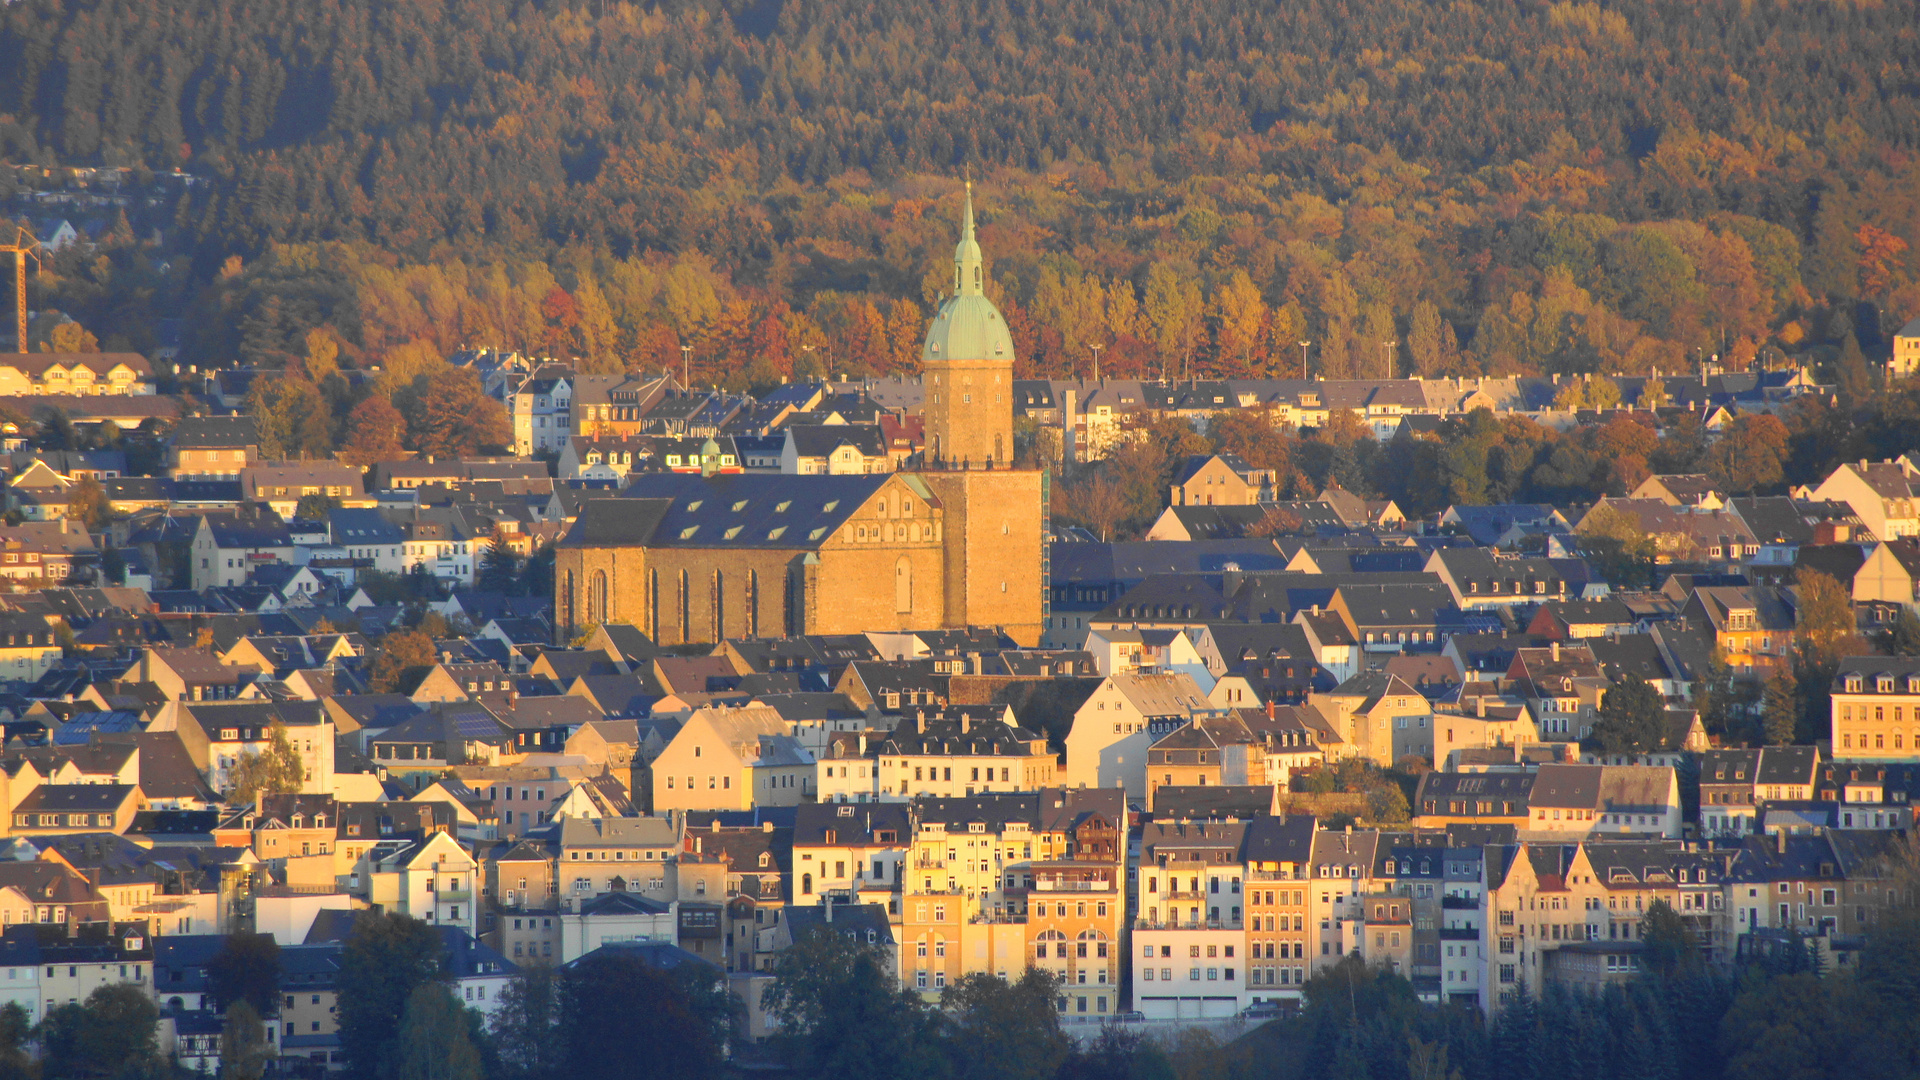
{"x": 967, "y": 369}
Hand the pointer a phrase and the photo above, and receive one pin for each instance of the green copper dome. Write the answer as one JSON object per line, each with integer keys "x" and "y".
{"x": 968, "y": 326}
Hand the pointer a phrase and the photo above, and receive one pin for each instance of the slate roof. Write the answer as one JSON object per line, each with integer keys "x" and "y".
{"x": 215, "y": 433}
{"x": 821, "y": 440}
{"x": 362, "y": 527}
{"x": 852, "y": 823}
{"x": 739, "y": 510}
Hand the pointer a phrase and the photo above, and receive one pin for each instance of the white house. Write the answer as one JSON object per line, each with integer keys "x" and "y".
{"x": 1107, "y": 745}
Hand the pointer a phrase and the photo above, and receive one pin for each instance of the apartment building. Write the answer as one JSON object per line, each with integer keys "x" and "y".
{"x": 953, "y": 752}
{"x": 1000, "y": 882}
{"x": 431, "y": 878}
{"x": 1126, "y": 713}
{"x": 850, "y": 850}
{"x": 1189, "y": 940}
{"x": 1876, "y": 709}
{"x": 1278, "y": 853}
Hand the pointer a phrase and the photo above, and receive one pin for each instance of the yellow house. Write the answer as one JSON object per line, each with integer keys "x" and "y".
{"x": 75, "y": 373}
{"x": 1003, "y": 882}
{"x": 731, "y": 759}
{"x": 1876, "y": 708}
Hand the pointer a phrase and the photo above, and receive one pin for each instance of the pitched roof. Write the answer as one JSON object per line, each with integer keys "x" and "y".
{"x": 215, "y": 433}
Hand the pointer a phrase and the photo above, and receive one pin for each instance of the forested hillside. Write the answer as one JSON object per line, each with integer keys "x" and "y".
{"x": 1504, "y": 186}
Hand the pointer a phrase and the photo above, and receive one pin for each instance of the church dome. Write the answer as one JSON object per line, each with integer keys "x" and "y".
{"x": 968, "y": 328}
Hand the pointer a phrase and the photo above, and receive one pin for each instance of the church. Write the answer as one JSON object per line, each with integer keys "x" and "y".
{"x": 956, "y": 541}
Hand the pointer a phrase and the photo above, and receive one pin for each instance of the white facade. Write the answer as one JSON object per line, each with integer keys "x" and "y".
{"x": 1189, "y": 974}
{"x": 581, "y": 933}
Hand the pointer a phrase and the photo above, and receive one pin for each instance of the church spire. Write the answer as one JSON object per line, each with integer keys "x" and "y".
{"x": 967, "y": 275}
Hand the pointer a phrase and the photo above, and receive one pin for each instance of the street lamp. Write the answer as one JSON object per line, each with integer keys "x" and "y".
{"x": 1096, "y": 360}
{"x": 1389, "y": 346}
{"x": 1303, "y": 358}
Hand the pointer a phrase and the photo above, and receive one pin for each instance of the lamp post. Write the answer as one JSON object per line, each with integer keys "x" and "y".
{"x": 686, "y": 368}
{"x": 1389, "y": 346}
{"x": 1096, "y": 360}
{"x": 1303, "y": 358}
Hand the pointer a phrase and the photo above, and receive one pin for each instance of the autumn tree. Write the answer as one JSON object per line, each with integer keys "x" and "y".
{"x": 276, "y": 770}
{"x": 399, "y": 656}
{"x": 375, "y": 430}
{"x": 435, "y": 1038}
{"x": 1751, "y": 455}
{"x": 87, "y": 504}
{"x": 450, "y": 416}
{"x": 1824, "y": 632}
{"x": 244, "y": 1049}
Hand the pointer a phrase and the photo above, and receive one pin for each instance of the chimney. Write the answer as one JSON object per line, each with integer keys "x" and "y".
{"x": 1556, "y": 652}
{"x": 829, "y": 906}
{"x": 1269, "y": 708}
{"x": 863, "y": 744}
{"x": 1780, "y": 840}
{"x": 1480, "y": 706}
{"x": 919, "y": 722}
{"x": 966, "y": 723}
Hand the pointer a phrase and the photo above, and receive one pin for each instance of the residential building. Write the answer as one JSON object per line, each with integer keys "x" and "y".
{"x": 1189, "y": 941}
{"x": 431, "y": 878}
{"x": 1107, "y": 744}
{"x": 82, "y": 374}
{"x": 212, "y": 447}
{"x": 226, "y": 547}
{"x": 731, "y": 759}
{"x": 998, "y": 883}
{"x": 951, "y": 753}
{"x": 1221, "y": 480}
{"x": 1876, "y": 709}
{"x": 1881, "y": 494}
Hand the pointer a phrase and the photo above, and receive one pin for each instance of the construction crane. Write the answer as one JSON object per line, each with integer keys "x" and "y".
{"x": 24, "y": 244}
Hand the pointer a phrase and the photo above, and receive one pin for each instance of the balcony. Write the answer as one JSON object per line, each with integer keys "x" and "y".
{"x": 452, "y": 896}
{"x": 1189, "y": 924}
{"x": 1046, "y": 886}
{"x": 1274, "y": 875}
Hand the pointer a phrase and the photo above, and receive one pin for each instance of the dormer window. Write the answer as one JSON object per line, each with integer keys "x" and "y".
{"x": 1853, "y": 684}
{"x": 1884, "y": 684}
